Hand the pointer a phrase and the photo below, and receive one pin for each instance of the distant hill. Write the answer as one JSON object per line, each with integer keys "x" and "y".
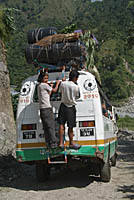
{"x": 111, "y": 22}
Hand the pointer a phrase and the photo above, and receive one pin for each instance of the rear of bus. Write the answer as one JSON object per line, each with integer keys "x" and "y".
{"x": 89, "y": 130}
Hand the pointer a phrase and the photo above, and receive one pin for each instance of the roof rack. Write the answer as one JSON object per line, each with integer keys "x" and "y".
{"x": 50, "y": 68}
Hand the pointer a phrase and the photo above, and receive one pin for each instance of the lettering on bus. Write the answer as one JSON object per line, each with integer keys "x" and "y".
{"x": 89, "y": 96}
{"x": 24, "y": 100}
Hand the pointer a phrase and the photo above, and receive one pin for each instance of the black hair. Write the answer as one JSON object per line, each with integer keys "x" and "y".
{"x": 41, "y": 76}
{"x": 73, "y": 74}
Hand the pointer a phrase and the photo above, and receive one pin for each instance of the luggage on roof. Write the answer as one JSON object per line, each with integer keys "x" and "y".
{"x": 58, "y": 38}
{"x": 54, "y": 53}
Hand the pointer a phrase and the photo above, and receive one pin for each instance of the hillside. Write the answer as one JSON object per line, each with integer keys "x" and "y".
{"x": 109, "y": 20}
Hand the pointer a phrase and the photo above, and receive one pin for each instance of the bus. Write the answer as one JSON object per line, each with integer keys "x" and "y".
{"x": 94, "y": 131}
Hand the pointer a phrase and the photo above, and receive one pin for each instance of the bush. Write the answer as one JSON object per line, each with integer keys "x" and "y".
{"x": 126, "y": 122}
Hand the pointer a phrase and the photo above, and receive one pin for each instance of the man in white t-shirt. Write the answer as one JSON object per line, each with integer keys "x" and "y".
{"x": 67, "y": 111}
{"x": 46, "y": 113}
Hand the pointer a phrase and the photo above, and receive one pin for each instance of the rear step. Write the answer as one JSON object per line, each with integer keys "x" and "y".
{"x": 58, "y": 162}
{"x": 65, "y": 155}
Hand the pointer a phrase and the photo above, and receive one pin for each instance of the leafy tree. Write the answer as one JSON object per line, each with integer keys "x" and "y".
{"x": 6, "y": 23}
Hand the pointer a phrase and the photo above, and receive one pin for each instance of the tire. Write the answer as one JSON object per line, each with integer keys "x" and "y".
{"x": 53, "y": 55}
{"x": 113, "y": 160}
{"x": 37, "y": 34}
{"x": 42, "y": 172}
{"x": 105, "y": 172}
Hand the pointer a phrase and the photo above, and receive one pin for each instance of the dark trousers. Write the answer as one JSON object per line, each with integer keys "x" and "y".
{"x": 67, "y": 114}
{"x": 48, "y": 122}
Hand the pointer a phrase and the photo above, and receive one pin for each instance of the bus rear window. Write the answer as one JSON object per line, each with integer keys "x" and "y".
{"x": 35, "y": 96}
{"x": 55, "y": 96}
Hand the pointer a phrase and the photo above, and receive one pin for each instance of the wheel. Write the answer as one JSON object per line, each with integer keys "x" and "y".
{"x": 105, "y": 172}
{"x": 113, "y": 160}
{"x": 42, "y": 172}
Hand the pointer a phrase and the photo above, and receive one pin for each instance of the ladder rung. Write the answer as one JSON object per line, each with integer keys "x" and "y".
{"x": 57, "y": 162}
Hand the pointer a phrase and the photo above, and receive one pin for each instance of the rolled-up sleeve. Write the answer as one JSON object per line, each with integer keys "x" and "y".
{"x": 48, "y": 88}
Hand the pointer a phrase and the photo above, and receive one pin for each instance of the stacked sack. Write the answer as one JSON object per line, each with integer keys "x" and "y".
{"x": 47, "y": 47}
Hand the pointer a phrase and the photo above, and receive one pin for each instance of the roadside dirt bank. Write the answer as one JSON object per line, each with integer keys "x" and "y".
{"x": 18, "y": 181}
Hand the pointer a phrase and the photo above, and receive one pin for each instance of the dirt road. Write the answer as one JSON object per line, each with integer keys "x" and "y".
{"x": 18, "y": 182}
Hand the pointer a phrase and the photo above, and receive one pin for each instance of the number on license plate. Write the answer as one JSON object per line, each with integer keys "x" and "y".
{"x": 86, "y": 132}
{"x": 29, "y": 135}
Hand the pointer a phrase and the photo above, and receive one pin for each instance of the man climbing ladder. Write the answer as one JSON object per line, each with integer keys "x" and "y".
{"x": 67, "y": 111}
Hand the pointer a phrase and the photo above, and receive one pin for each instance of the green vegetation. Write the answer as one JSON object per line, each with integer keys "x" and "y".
{"x": 69, "y": 29}
{"x": 111, "y": 22}
{"x": 126, "y": 122}
{"x": 6, "y": 23}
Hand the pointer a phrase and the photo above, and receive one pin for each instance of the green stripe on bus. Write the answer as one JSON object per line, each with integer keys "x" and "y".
{"x": 42, "y": 153}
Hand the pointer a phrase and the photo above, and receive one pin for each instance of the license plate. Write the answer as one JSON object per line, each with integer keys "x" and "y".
{"x": 86, "y": 132}
{"x": 29, "y": 135}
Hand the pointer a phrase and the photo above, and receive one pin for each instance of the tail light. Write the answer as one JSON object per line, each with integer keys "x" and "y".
{"x": 28, "y": 127}
{"x": 87, "y": 124}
